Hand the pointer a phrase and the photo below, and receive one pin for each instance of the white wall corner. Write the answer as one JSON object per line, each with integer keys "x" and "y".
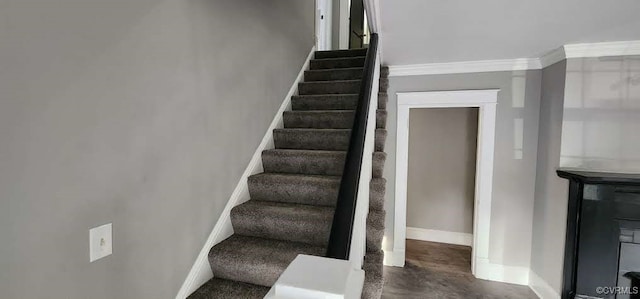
{"x": 393, "y": 258}
{"x": 541, "y": 287}
{"x": 552, "y": 57}
{"x": 501, "y": 273}
{"x": 439, "y": 236}
{"x": 200, "y": 271}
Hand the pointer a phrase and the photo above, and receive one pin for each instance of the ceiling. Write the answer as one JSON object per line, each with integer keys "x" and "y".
{"x": 433, "y": 31}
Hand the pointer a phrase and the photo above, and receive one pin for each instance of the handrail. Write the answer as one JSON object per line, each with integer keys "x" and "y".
{"x": 343, "y": 218}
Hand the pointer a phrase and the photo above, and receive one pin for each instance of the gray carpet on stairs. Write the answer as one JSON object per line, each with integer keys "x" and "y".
{"x": 292, "y": 201}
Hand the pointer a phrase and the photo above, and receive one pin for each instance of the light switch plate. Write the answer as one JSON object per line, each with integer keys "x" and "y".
{"x": 100, "y": 242}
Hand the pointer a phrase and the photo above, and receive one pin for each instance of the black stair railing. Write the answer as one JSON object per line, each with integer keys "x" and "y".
{"x": 343, "y": 218}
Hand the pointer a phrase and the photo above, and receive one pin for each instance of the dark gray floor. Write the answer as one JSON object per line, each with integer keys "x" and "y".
{"x": 435, "y": 270}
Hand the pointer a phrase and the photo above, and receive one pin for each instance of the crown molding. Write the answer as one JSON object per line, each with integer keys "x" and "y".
{"x": 465, "y": 67}
{"x": 622, "y": 48}
{"x": 553, "y": 57}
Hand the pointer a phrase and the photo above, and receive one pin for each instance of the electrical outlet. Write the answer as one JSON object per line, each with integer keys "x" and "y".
{"x": 100, "y": 242}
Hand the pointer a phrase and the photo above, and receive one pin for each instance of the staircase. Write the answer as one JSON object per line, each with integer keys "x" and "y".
{"x": 293, "y": 200}
{"x": 373, "y": 268}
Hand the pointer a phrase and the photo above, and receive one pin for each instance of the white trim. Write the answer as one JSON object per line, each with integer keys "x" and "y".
{"x": 464, "y": 67}
{"x": 343, "y": 25}
{"x": 541, "y": 287}
{"x": 373, "y": 15}
{"x": 552, "y": 57}
{"x": 200, "y": 271}
{"x": 486, "y": 101}
{"x": 502, "y": 273}
{"x": 374, "y": 21}
{"x": 393, "y": 258}
{"x": 439, "y": 236}
{"x": 620, "y": 48}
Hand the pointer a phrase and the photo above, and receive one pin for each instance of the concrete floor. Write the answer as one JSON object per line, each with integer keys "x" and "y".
{"x": 435, "y": 270}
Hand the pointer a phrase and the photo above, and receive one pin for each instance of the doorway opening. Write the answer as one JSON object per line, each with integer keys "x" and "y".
{"x": 484, "y": 102}
{"x": 441, "y": 175}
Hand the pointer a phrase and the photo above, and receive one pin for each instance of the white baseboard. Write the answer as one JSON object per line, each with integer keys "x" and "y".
{"x": 541, "y": 287}
{"x": 502, "y": 273}
{"x": 201, "y": 271}
{"x": 440, "y": 236}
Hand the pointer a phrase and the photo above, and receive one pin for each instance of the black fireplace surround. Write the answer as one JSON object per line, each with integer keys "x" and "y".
{"x": 602, "y": 249}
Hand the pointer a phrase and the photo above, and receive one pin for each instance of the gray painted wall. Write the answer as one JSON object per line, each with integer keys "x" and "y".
{"x": 516, "y": 153}
{"x": 550, "y": 210}
{"x": 602, "y": 114}
{"x": 431, "y": 31}
{"x": 141, "y": 113}
{"x": 442, "y": 163}
{"x": 590, "y": 116}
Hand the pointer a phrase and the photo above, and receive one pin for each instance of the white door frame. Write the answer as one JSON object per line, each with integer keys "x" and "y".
{"x": 323, "y": 26}
{"x": 486, "y": 101}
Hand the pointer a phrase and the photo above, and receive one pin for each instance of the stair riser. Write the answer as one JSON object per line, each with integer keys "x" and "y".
{"x": 308, "y": 192}
{"x": 375, "y": 230}
{"x": 381, "y": 138}
{"x": 328, "y": 120}
{"x": 330, "y": 75}
{"x": 383, "y": 98}
{"x": 384, "y": 72}
{"x": 330, "y": 164}
{"x": 381, "y": 119}
{"x": 319, "y": 120}
{"x": 384, "y": 85}
{"x": 312, "y": 140}
{"x": 332, "y": 102}
{"x": 305, "y": 228}
{"x": 337, "y": 63}
{"x": 340, "y": 53}
{"x": 376, "y": 198}
{"x": 255, "y": 264}
{"x": 315, "y": 165}
{"x": 341, "y": 87}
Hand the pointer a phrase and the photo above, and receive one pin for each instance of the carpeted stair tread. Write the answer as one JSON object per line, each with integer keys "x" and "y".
{"x": 377, "y": 190}
{"x": 283, "y": 221}
{"x": 340, "y": 53}
{"x": 375, "y": 229}
{"x": 383, "y": 99}
{"x": 312, "y": 139}
{"x": 313, "y": 162}
{"x": 381, "y": 137}
{"x": 384, "y": 72}
{"x": 335, "y": 63}
{"x": 295, "y": 188}
{"x": 331, "y": 102}
{"x": 381, "y": 119}
{"x": 351, "y": 73}
{"x": 378, "y": 164}
{"x": 217, "y": 288}
{"x": 329, "y": 87}
{"x": 256, "y": 260}
{"x": 319, "y": 119}
{"x": 304, "y": 161}
{"x": 373, "y": 275}
{"x": 384, "y": 85}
